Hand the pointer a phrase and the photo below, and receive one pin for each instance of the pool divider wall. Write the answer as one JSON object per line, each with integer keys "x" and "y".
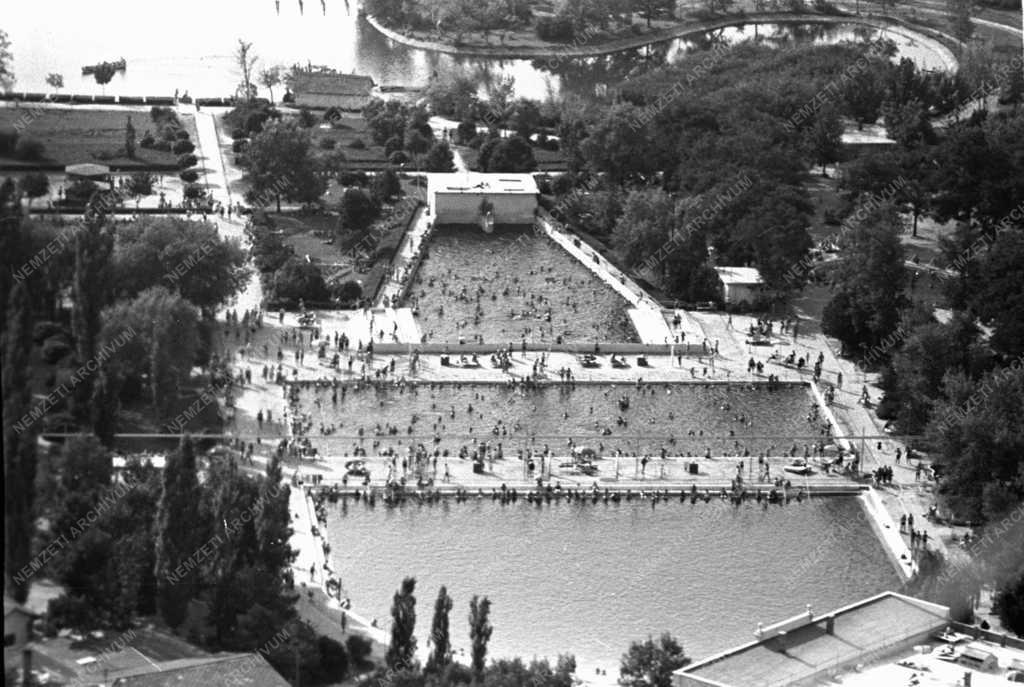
{"x": 623, "y": 383}
{"x": 827, "y": 413}
{"x": 714, "y": 488}
{"x": 887, "y": 533}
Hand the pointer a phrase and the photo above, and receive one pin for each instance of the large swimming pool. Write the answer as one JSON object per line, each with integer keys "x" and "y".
{"x": 510, "y": 285}
{"x": 684, "y": 419}
{"x": 589, "y": 579}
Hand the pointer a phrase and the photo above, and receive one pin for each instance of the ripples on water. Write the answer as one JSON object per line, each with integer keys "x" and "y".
{"x": 519, "y": 276}
{"x": 660, "y": 411}
{"x": 589, "y": 579}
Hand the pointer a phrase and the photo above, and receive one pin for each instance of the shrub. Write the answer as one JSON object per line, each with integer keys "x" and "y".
{"x": 187, "y": 160}
{"x": 398, "y": 157}
{"x": 29, "y": 149}
{"x": 298, "y": 279}
{"x": 254, "y": 122}
{"x": 164, "y": 146}
{"x": 306, "y": 119}
{"x": 348, "y": 178}
{"x": 348, "y": 292}
{"x": 357, "y": 144}
{"x": 392, "y": 144}
{"x": 328, "y": 143}
{"x": 71, "y": 612}
{"x": 189, "y": 176}
{"x": 194, "y": 191}
{"x": 239, "y": 145}
{"x": 55, "y": 348}
{"x": 147, "y": 140}
{"x": 8, "y": 140}
{"x": 556, "y": 29}
{"x": 332, "y": 115}
{"x": 181, "y": 147}
{"x": 238, "y": 133}
{"x": 141, "y": 183}
{"x": 80, "y": 191}
{"x": 160, "y": 114}
{"x": 182, "y": 135}
{"x": 359, "y": 649}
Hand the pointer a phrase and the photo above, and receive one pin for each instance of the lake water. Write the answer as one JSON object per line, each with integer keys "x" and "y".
{"x": 589, "y": 579}
{"x": 189, "y": 46}
{"x": 511, "y": 285}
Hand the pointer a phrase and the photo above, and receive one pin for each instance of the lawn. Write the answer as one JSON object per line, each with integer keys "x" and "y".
{"x": 547, "y": 160}
{"x": 75, "y": 136}
{"x": 344, "y": 132}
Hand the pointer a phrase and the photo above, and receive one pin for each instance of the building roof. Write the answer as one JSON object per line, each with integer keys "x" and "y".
{"x": 244, "y": 670}
{"x": 478, "y": 183}
{"x": 12, "y": 606}
{"x": 87, "y": 169}
{"x": 801, "y": 647}
{"x": 314, "y": 83}
{"x": 739, "y": 275}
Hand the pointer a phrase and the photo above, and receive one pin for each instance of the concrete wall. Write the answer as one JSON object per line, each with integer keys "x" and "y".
{"x": 464, "y": 208}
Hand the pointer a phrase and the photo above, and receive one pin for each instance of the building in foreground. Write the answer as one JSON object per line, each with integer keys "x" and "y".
{"x": 469, "y": 197}
{"x": 883, "y": 640}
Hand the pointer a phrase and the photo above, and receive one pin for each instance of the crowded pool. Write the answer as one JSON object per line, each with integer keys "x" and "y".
{"x": 509, "y": 286}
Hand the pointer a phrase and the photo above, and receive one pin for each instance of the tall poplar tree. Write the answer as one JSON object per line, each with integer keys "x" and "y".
{"x": 19, "y": 442}
{"x": 177, "y": 535}
{"x": 402, "y": 649}
{"x": 480, "y": 630}
{"x": 440, "y": 656}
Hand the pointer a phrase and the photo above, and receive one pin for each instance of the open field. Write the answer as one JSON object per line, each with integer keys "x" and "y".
{"x": 75, "y": 136}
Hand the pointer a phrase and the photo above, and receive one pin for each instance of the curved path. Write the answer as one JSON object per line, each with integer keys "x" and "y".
{"x": 554, "y": 52}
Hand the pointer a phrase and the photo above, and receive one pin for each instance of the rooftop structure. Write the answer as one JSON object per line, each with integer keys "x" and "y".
{"x": 323, "y": 90}
{"x": 807, "y": 649}
{"x": 245, "y": 670}
{"x": 467, "y": 197}
{"x": 740, "y": 284}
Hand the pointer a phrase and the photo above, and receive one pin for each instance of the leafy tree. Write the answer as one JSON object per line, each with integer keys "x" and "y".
{"x": 977, "y": 434}
{"x": 441, "y": 654}
{"x": 299, "y": 280}
{"x": 452, "y": 95}
{"x": 357, "y": 210}
{"x": 19, "y": 442}
{"x": 416, "y": 143}
{"x": 650, "y": 663}
{"x": 869, "y": 282}
{"x": 654, "y": 9}
{"x": 103, "y": 73}
{"x": 6, "y": 73}
{"x": 269, "y": 78}
{"x": 998, "y": 293}
{"x": 524, "y": 117}
{"x": 35, "y": 185}
{"x": 385, "y": 186}
{"x": 401, "y": 653}
{"x": 619, "y": 145}
{"x": 1009, "y": 603}
{"x": 440, "y": 158}
{"x": 908, "y": 124}
{"x": 55, "y": 81}
{"x": 512, "y": 154}
{"x": 152, "y": 337}
{"x": 480, "y": 630}
{"x": 189, "y": 257}
{"x": 863, "y": 96}
{"x": 178, "y": 534}
{"x": 648, "y": 219}
{"x": 825, "y": 138}
{"x": 279, "y": 163}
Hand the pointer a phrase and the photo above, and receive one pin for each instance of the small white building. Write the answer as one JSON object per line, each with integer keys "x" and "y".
{"x": 740, "y": 284}
{"x": 466, "y": 197}
{"x": 17, "y": 629}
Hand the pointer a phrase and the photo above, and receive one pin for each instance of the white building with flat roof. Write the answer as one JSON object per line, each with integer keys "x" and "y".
{"x": 740, "y": 284}
{"x": 466, "y": 197}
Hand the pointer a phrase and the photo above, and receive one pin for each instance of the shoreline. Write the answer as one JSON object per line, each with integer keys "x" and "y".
{"x": 555, "y": 52}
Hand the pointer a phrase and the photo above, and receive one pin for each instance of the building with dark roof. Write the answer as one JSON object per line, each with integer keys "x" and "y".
{"x": 323, "y": 90}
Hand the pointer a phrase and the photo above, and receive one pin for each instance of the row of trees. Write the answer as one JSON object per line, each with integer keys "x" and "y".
{"x": 647, "y": 663}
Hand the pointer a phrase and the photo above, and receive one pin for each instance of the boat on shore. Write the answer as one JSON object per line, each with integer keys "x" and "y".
{"x": 118, "y": 65}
